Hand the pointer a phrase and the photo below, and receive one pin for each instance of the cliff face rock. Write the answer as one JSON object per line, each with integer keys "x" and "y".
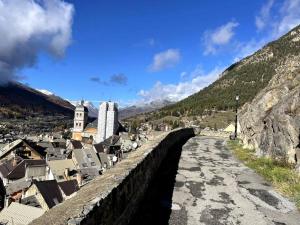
{"x": 271, "y": 122}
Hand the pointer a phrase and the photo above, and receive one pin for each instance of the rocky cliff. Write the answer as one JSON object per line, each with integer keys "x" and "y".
{"x": 270, "y": 123}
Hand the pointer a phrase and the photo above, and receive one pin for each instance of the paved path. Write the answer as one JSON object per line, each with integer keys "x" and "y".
{"x": 213, "y": 188}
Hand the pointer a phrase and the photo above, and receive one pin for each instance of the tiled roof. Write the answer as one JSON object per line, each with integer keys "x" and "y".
{"x": 19, "y": 171}
{"x": 58, "y": 166}
{"x": 69, "y": 187}
{"x": 50, "y": 191}
{"x": 93, "y": 124}
{"x": 112, "y": 140}
{"x": 19, "y": 214}
{"x": 76, "y": 144}
{"x": 99, "y": 147}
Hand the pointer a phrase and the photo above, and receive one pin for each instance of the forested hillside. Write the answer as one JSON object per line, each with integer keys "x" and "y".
{"x": 245, "y": 78}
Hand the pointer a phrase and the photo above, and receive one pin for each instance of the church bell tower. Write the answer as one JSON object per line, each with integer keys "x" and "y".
{"x": 80, "y": 117}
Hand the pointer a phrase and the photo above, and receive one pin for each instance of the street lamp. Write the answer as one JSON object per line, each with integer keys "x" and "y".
{"x": 237, "y": 98}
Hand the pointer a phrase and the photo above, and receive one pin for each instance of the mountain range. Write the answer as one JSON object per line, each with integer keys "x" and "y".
{"x": 18, "y": 100}
{"x": 245, "y": 78}
{"x": 137, "y": 109}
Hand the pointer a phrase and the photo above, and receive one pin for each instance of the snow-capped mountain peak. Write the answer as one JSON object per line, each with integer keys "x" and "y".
{"x": 45, "y": 92}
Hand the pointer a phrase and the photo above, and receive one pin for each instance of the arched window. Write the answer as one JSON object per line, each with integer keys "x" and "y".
{"x": 80, "y": 124}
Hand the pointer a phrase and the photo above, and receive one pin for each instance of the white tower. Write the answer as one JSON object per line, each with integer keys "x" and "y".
{"x": 107, "y": 120}
{"x": 80, "y": 117}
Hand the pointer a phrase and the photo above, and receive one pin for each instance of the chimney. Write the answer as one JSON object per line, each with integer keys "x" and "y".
{"x": 67, "y": 172}
{"x": 15, "y": 161}
{"x": 79, "y": 178}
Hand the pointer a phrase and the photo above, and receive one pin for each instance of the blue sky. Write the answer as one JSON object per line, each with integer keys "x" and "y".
{"x": 140, "y": 51}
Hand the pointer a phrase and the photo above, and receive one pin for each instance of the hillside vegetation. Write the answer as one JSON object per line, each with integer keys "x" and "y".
{"x": 245, "y": 78}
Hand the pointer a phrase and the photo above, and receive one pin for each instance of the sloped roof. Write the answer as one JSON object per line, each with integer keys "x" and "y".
{"x": 58, "y": 166}
{"x": 7, "y": 148}
{"x": 19, "y": 171}
{"x": 69, "y": 187}
{"x": 50, "y": 191}
{"x": 86, "y": 158}
{"x": 11, "y": 146}
{"x": 17, "y": 186}
{"x": 6, "y": 167}
{"x": 45, "y": 144}
{"x": 92, "y": 124}
{"x": 19, "y": 214}
{"x": 104, "y": 159}
{"x": 76, "y": 144}
{"x": 31, "y": 201}
{"x": 99, "y": 147}
{"x": 112, "y": 140}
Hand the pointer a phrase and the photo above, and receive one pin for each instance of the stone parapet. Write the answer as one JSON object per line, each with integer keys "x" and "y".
{"x": 114, "y": 197}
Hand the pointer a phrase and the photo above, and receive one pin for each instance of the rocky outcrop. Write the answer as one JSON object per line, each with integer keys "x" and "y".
{"x": 271, "y": 122}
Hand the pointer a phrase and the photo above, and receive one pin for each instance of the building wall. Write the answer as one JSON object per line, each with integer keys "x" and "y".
{"x": 77, "y": 136}
{"x": 34, "y": 191}
{"x": 107, "y": 120}
{"x": 102, "y": 122}
{"x": 80, "y": 118}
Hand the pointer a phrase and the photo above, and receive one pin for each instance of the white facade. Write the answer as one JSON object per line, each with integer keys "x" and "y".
{"x": 80, "y": 117}
{"x": 107, "y": 120}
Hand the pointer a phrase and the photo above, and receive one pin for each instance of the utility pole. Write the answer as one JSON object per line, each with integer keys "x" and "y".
{"x": 237, "y": 97}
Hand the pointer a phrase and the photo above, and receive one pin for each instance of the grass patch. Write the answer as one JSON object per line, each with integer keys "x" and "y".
{"x": 282, "y": 175}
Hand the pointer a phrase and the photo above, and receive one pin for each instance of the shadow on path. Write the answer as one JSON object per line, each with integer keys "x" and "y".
{"x": 156, "y": 206}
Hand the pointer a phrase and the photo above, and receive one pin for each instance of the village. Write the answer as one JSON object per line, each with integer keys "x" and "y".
{"x": 39, "y": 172}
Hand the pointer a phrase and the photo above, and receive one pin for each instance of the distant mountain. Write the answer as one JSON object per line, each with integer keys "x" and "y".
{"x": 18, "y": 100}
{"x": 93, "y": 111}
{"x": 245, "y": 78}
{"x": 46, "y": 92}
{"x": 134, "y": 110}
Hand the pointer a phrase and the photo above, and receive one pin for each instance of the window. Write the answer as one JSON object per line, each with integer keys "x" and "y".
{"x": 93, "y": 163}
{"x": 80, "y": 124}
{"x": 89, "y": 155}
{"x": 84, "y": 165}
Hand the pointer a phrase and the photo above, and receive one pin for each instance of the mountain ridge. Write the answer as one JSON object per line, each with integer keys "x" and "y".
{"x": 244, "y": 78}
{"x": 19, "y": 100}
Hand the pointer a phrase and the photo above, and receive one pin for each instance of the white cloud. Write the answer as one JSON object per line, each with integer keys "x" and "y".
{"x": 183, "y": 75}
{"x": 289, "y": 17}
{"x": 165, "y": 60}
{"x": 264, "y": 15}
{"x": 175, "y": 92}
{"x": 28, "y": 27}
{"x": 273, "y": 22}
{"x": 214, "y": 39}
{"x": 277, "y": 21}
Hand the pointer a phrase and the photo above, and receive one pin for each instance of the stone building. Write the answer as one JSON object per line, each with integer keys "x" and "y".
{"x": 107, "y": 121}
{"x": 80, "y": 121}
{"x": 98, "y": 130}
